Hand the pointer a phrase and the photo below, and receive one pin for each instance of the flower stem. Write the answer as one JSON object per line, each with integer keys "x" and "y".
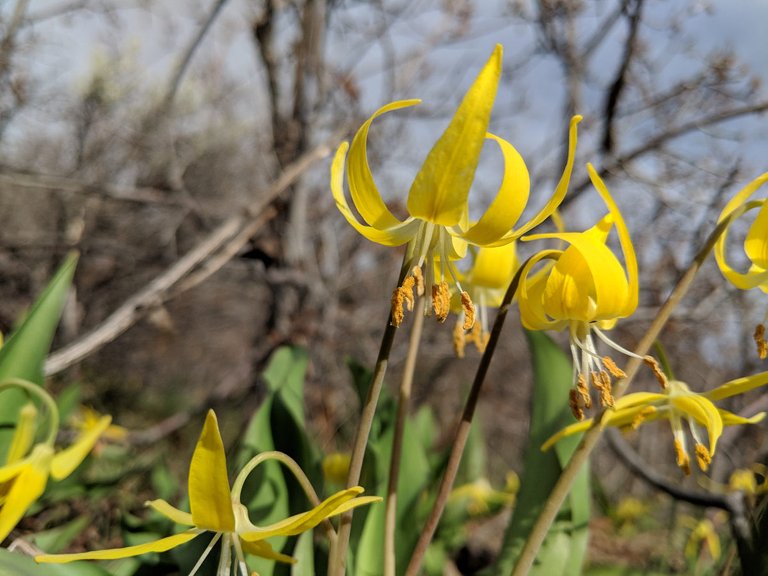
{"x": 462, "y": 433}
{"x": 403, "y": 402}
{"x": 50, "y": 404}
{"x": 589, "y": 441}
{"x": 337, "y": 560}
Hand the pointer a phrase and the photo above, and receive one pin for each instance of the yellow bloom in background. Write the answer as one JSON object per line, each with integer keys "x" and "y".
{"x": 29, "y": 464}
{"x": 214, "y": 508}
{"x": 437, "y": 229}
{"x": 585, "y": 290}
{"x": 486, "y": 282}
{"x": 755, "y": 248}
{"x": 678, "y": 404}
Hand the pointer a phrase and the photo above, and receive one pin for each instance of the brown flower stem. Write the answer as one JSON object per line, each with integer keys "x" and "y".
{"x": 462, "y": 433}
{"x": 403, "y": 402}
{"x": 563, "y": 486}
{"x": 337, "y": 559}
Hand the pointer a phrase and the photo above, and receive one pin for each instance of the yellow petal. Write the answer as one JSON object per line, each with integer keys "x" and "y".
{"x": 171, "y": 512}
{"x": 209, "y": 497}
{"x": 161, "y": 545}
{"x": 23, "y": 434}
{"x": 439, "y": 191}
{"x": 265, "y": 550}
{"x": 65, "y": 462}
{"x": 530, "y": 292}
{"x": 738, "y": 386}
{"x": 306, "y": 520}
{"x": 731, "y": 419}
{"x": 704, "y": 412}
{"x": 756, "y": 242}
{"x": 395, "y": 236}
{"x": 362, "y": 188}
{"x": 494, "y": 267}
{"x": 27, "y": 487}
{"x": 510, "y": 200}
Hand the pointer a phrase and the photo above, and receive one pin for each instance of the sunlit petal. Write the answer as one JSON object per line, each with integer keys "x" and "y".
{"x": 65, "y": 462}
{"x": 494, "y": 267}
{"x": 704, "y": 412}
{"x": 27, "y": 487}
{"x": 731, "y": 419}
{"x": 171, "y": 512}
{"x": 265, "y": 550}
{"x": 756, "y": 242}
{"x": 738, "y": 386}
{"x": 530, "y": 293}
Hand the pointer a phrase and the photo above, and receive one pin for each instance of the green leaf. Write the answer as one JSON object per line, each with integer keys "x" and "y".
{"x": 285, "y": 377}
{"x": 305, "y": 556}
{"x": 58, "y": 539}
{"x": 14, "y": 564}
{"x": 563, "y": 550}
{"x": 23, "y": 354}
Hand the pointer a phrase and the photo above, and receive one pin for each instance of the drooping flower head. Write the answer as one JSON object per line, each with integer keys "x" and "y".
{"x": 30, "y": 461}
{"x": 755, "y": 248}
{"x": 585, "y": 290}
{"x": 438, "y": 229}
{"x": 680, "y": 405}
{"x": 217, "y": 509}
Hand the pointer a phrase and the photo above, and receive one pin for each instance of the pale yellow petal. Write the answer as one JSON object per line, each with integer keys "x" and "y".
{"x": 731, "y": 419}
{"x": 530, "y": 292}
{"x": 494, "y": 267}
{"x": 65, "y": 462}
{"x": 23, "y": 434}
{"x": 209, "y": 496}
{"x": 264, "y": 550}
{"x": 161, "y": 545}
{"x": 27, "y": 487}
{"x": 704, "y": 412}
{"x": 171, "y": 512}
{"x": 756, "y": 242}
{"x": 439, "y": 191}
{"x": 738, "y": 386}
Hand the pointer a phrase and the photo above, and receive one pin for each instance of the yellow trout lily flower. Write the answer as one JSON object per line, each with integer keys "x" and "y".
{"x": 437, "y": 229}
{"x": 585, "y": 290}
{"x": 28, "y": 465}
{"x": 486, "y": 282}
{"x": 214, "y": 508}
{"x": 678, "y": 404}
{"x": 755, "y": 247}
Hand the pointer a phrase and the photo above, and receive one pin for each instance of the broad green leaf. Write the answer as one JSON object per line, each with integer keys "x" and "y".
{"x": 23, "y": 354}
{"x": 58, "y": 539}
{"x": 15, "y": 564}
{"x": 564, "y": 549}
{"x": 305, "y": 554}
{"x": 285, "y": 376}
{"x": 369, "y": 551}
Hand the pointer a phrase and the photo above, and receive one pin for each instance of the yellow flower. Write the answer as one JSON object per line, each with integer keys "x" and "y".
{"x": 755, "y": 247}
{"x": 678, "y": 404}
{"x": 486, "y": 282}
{"x": 215, "y": 509}
{"x": 28, "y": 465}
{"x": 585, "y": 290}
{"x": 437, "y": 229}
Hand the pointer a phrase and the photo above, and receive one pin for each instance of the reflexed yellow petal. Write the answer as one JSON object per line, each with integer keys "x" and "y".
{"x": 530, "y": 292}
{"x": 510, "y": 201}
{"x": 27, "y": 487}
{"x": 171, "y": 512}
{"x": 23, "y": 434}
{"x": 704, "y": 412}
{"x": 162, "y": 545}
{"x": 756, "y": 242}
{"x": 630, "y": 259}
{"x": 362, "y": 188}
{"x": 265, "y": 550}
{"x": 731, "y": 419}
{"x": 494, "y": 267}
{"x": 743, "y": 195}
{"x": 439, "y": 191}
{"x": 209, "y": 496}
{"x": 65, "y": 462}
{"x": 395, "y": 236}
{"x": 575, "y": 428}
{"x": 738, "y": 386}
{"x": 299, "y": 522}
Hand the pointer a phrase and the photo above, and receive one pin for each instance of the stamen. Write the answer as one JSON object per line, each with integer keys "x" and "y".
{"x": 611, "y": 366}
{"x": 654, "y": 365}
{"x": 606, "y": 395}
{"x": 573, "y": 402}
{"x": 469, "y": 309}
{"x": 205, "y": 553}
{"x": 459, "y": 339}
{"x": 762, "y": 345}
{"x": 441, "y": 301}
{"x": 641, "y": 416}
{"x": 402, "y": 297}
{"x": 407, "y": 289}
{"x": 703, "y": 457}
{"x": 418, "y": 277}
{"x": 583, "y": 391}
{"x": 683, "y": 461}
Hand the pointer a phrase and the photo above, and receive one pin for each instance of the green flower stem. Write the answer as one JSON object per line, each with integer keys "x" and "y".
{"x": 563, "y": 486}
{"x": 45, "y": 398}
{"x": 403, "y": 402}
{"x": 337, "y": 560}
{"x": 462, "y": 432}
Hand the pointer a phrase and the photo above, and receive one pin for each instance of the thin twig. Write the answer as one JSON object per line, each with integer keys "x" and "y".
{"x": 403, "y": 402}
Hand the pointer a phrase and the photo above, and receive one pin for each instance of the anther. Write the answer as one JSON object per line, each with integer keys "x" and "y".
{"x": 703, "y": 457}
{"x": 397, "y": 307}
{"x": 441, "y": 301}
{"x": 469, "y": 310}
{"x": 610, "y": 365}
{"x": 573, "y": 402}
{"x": 583, "y": 391}
{"x": 407, "y": 289}
{"x": 606, "y": 395}
{"x": 762, "y": 345}
{"x": 459, "y": 340}
{"x": 418, "y": 277}
{"x": 654, "y": 365}
{"x": 683, "y": 461}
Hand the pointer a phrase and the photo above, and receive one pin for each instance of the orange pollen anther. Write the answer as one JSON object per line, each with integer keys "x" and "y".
{"x": 480, "y": 338}
{"x": 469, "y": 311}
{"x": 641, "y": 416}
{"x": 682, "y": 458}
{"x": 441, "y": 301}
{"x": 703, "y": 457}
{"x": 615, "y": 371}
{"x": 573, "y": 403}
{"x": 654, "y": 365}
{"x": 583, "y": 391}
{"x": 604, "y": 386}
{"x": 762, "y": 345}
{"x": 459, "y": 340}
